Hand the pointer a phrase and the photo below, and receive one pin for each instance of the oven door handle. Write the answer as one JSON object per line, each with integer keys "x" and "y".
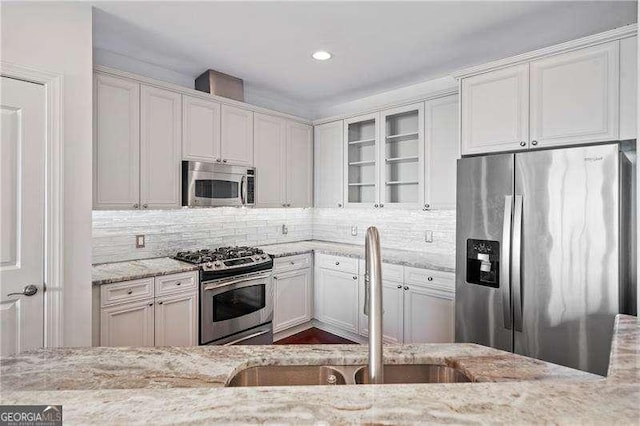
{"x": 243, "y": 198}
{"x": 242, "y": 339}
{"x": 228, "y": 283}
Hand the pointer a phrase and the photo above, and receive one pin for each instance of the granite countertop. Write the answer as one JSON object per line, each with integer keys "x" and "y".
{"x": 170, "y": 385}
{"x": 106, "y": 273}
{"x": 416, "y": 259}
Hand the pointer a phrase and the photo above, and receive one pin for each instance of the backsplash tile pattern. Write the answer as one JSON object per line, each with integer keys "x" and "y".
{"x": 168, "y": 231}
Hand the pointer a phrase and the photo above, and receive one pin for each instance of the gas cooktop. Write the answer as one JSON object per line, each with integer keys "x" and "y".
{"x": 227, "y": 261}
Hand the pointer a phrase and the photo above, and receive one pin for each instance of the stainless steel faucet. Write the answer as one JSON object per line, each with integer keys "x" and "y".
{"x": 373, "y": 303}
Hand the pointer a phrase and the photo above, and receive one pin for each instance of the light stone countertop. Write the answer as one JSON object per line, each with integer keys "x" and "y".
{"x": 184, "y": 385}
{"x": 107, "y": 273}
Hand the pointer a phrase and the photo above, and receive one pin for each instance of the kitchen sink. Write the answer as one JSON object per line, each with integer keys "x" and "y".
{"x": 415, "y": 373}
{"x": 306, "y": 375}
{"x": 288, "y": 375}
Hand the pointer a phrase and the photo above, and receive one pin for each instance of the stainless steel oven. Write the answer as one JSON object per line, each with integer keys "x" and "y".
{"x": 237, "y": 309}
{"x": 213, "y": 185}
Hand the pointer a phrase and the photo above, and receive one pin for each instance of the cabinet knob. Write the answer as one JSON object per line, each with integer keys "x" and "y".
{"x": 339, "y": 204}
{"x": 130, "y": 291}
{"x": 523, "y": 143}
{"x": 376, "y": 205}
{"x": 178, "y": 283}
{"x": 427, "y": 206}
{"x": 534, "y": 143}
{"x": 429, "y": 278}
{"x": 150, "y": 304}
{"x": 224, "y": 161}
{"x": 293, "y": 263}
{"x": 406, "y": 287}
{"x": 160, "y": 303}
{"x": 144, "y": 206}
{"x": 399, "y": 285}
{"x": 355, "y": 277}
{"x": 381, "y": 205}
{"x": 135, "y": 206}
{"x": 275, "y": 278}
{"x": 337, "y": 263}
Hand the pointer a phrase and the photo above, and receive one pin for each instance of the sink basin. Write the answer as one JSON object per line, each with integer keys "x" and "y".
{"x": 306, "y": 375}
{"x": 288, "y": 375}
{"x": 415, "y": 373}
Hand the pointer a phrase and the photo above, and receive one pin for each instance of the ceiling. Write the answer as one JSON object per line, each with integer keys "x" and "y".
{"x": 377, "y": 46}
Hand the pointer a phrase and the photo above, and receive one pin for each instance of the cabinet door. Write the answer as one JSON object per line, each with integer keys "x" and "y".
{"x": 361, "y": 169}
{"x": 293, "y": 299}
{"x": 392, "y": 316}
{"x": 299, "y": 165}
{"x": 127, "y": 325}
{"x": 160, "y": 147}
{"x": 574, "y": 97}
{"x": 428, "y": 316}
{"x": 116, "y": 153}
{"x": 628, "y": 88}
{"x": 336, "y": 299}
{"x": 236, "y": 143}
{"x": 270, "y": 164}
{"x": 495, "y": 111}
{"x": 200, "y": 129}
{"x": 176, "y": 320}
{"x": 441, "y": 152}
{"x": 402, "y": 157}
{"x": 327, "y": 165}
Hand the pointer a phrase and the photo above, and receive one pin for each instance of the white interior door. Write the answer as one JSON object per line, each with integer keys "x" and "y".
{"x": 22, "y": 180}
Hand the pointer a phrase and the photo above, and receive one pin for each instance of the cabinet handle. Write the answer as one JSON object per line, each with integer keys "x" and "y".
{"x": 534, "y": 143}
{"x": 429, "y": 278}
{"x": 130, "y": 291}
{"x": 144, "y": 206}
{"x": 399, "y": 285}
{"x": 406, "y": 287}
{"x": 135, "y": 206}
{"x": 355, "y": 277}
{"x": 523, "y": 143}
{"x": 275, "y": 278}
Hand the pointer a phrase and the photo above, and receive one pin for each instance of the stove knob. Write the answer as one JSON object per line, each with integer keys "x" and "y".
{"x": 264, "y": 256}
{"x": 208, "y": 265}
{"x": 218, "y": 264}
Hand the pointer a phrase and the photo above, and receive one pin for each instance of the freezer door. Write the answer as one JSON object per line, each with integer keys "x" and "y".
{"x": 483, "y": 226}
{"x": 568, "y": 280}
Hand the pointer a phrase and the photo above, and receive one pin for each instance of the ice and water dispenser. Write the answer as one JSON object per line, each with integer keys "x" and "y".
{"x": 483, "y": 262}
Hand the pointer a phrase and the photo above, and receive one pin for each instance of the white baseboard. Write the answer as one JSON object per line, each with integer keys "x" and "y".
{"x": 291, "y": 331}
{"x": 339, "y": 332}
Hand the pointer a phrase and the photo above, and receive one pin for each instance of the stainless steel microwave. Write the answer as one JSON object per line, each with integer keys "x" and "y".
{"x": 213, "y": 185}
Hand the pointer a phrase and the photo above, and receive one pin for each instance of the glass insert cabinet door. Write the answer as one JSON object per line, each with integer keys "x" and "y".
{"x": 361, "y": 160}
{"x": 402, "y": 156}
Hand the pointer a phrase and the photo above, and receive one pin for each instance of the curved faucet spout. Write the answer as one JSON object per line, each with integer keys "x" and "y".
{"x": 373, "y": 303}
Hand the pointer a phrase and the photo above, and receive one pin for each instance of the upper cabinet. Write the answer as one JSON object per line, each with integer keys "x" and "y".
{"x": 116, "y": 151}
{"x": 327, "y": 164}
{"x": 441, "y": 152}
{"x": 569, "y": 97}
{"x": 495, "y": 111}
{"x": 236, "y": 139}
{"x": 361, "y": 161}
{"x": 574, "y": 97}
{"x": 200, "y": 130}
{"x": 283, "y": 161}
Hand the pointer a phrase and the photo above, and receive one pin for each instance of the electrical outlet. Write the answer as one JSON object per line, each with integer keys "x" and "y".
{"x": 139, "y": 241}
{"x": 354, "y": 230}
{"x": 285, "y": 230}
{"x": 428, "y": 236}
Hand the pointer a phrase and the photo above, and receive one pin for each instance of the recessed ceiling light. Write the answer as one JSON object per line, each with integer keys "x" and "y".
{"x": 321, "y": 55}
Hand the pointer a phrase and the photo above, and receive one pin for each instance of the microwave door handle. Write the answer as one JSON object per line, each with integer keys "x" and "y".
{"x": 243, "y": 189}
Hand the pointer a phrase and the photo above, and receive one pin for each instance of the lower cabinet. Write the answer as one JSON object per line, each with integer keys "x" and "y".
{"x": 292, "y": 304}
{"x": 336, "y": 298}
{"x": 392, "y": 307}
{"x": 139, "y": 313}
{"x": 428, "y": 315}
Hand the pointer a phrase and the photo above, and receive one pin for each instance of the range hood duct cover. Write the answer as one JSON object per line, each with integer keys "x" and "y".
{"x": 221, "y": 84}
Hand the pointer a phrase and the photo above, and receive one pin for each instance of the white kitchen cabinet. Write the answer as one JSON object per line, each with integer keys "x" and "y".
{"x": 160, "y": 148}
{"x": 441, "y": 152}
{"x": 200, "y": 130}
{"x": 361, "y": 156}
{"x": 392, "y": 317}
{"x": 428, "y": 315}
{"x": 116, "y": 151}
{"x": 269, "y": 161}
{"x": 299, "y": 165}
{"x": 130, "y": 324}
{"x": 495, "y": 111}
{"x": 336, "y": 298}
{"x": 574, "y": 96}
{"x": 292, "y": 298}
{"x": 628, "y": 88}
{"x": 176, "y": 319}
{"x": 327, "y": 164}
{"x": 236, "y": 136}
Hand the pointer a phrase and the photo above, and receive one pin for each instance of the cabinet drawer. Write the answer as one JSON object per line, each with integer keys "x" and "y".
{"x": 429, "y": 278}
{"x": 127, "y": 291}
{"x": 390, "y": 271}
{"x": 168, "y": 284}
{"x": 337, "y": 263}
{"x": 292, "y": 263}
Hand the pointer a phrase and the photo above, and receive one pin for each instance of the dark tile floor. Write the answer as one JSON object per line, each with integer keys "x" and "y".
{"x": 313, "y": 336}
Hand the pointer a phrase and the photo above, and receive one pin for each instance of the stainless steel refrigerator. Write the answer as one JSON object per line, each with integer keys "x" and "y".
{"x": 544, "y": 252}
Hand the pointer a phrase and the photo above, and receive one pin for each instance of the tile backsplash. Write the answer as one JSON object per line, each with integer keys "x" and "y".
{"x": 167, "y": 231}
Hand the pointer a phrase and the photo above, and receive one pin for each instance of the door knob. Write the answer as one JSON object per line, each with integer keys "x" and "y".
{"x": 29, "y": 290}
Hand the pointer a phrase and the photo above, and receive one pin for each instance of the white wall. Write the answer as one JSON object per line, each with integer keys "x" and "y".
{"x": 57, "y": 37}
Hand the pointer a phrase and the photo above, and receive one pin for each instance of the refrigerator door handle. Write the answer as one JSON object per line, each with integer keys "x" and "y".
{"x": 505, "y": 262}
{"x": 517, "y": 257}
